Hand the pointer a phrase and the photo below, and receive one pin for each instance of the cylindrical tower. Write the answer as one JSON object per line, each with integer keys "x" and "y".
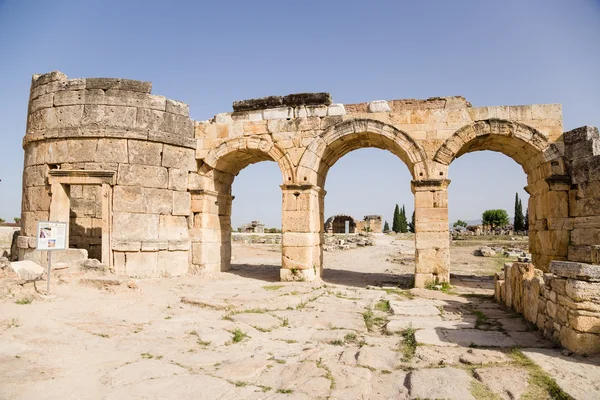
{"x": 112, "y": 160}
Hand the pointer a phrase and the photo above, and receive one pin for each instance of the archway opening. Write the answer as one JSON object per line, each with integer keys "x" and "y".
{"x": 256, "y": 222}
{"x": 365, "y": 185}
{"x": 486, "y": 182}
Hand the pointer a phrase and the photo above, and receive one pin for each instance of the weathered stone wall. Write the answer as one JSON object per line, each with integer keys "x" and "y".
{"x": 564, "y": 304}
{"x": 166, "y": 180}
{"x": 112, "y": 125}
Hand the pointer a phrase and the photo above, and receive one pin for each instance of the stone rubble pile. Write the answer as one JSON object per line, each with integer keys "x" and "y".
{"x": 347, "y": 242}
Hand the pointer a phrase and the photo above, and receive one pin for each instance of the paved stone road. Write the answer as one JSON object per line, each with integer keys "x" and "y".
{"x": 233, "y": 337}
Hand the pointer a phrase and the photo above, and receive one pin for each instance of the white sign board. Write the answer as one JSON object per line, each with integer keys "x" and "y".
{"x": 51, "y": 235}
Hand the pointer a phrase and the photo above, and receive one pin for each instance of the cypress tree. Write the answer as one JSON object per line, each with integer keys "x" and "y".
{"x": 411, "y": 225}
{"x": 386, "y": 227}
{"x": 403, "y": 221}
{"x": 396, "y": 221}
{"x": 519, "y": 220}
{"x": 526, "y": 220}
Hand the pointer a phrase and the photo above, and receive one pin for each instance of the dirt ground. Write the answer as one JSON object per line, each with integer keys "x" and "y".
{"x": 358, "y": 334}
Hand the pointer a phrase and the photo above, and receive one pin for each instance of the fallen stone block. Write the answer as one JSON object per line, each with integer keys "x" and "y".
{"x": 28, "y": 270}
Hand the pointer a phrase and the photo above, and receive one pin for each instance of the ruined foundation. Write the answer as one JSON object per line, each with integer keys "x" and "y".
{"x": 148, "y": 190}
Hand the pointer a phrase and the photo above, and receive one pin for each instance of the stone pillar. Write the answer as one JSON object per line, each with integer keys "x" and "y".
{"x": 211, "y": 231}
{"x": 432, "y": 240}
{"x": 302, "y": 226}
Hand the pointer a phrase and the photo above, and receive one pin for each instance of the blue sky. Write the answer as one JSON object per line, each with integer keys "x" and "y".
{"x": 209, "y": 54}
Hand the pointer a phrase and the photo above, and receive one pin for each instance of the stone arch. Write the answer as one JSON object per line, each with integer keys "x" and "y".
{"x": 342, "y": 138}
{"x": 524, "y": 144}
{"x": 236, "y": 154}
{"x": 547, "y": 178}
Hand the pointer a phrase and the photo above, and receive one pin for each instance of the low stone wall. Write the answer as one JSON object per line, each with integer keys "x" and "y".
{"x": 564, "y": 304}
{"x": 6, "y": 239}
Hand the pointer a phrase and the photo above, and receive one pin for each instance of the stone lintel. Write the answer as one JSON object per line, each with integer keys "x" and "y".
{"x": 429, "y": 184}
{"x": 576, "y": 270}
{"x": 81, "y": 177}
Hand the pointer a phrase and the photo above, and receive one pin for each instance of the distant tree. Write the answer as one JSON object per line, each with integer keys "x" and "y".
{"x": 396, "y": 221}
{"x": 519, "y": 219}
{"x": 411, "y": 224}
{"x": 526, "y": 221}
{"x": 495, "y": 218}
{"x": 460, "y": 223}
{"x": 386, "y": 227}
{"x": 403, "y": 221}
{"x": 17, "y": 220}
{"x": 1, "y": 221}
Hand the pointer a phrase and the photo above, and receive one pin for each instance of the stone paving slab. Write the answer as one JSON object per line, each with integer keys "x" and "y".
{"x": 463, "y": 337}
{"x": 577, "y": 375}
{"x": 507, "y": 382}
{"x": 413, "y": 307}
{"x": 440, "y": 383}
{"x": 398, "y": 324}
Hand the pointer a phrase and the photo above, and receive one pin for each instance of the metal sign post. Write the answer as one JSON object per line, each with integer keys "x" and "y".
{"x": 51, "y": 236}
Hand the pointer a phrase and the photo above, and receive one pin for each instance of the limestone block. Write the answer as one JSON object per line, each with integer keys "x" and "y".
{"x": 301, "y": 221}
{"x": 294, "y": 239}
{"x": 582, "y": 290}
{"x": 147, "y": 153}
{"x": 295, "y": 275}
{"x": 531, "y": 295}
{"x": 142, "y": 264}
{"x": 149, "y": 119}
{"x": 277, "y": 113}
{"x": 379, "y": 106}
{"x": 182, "y": 203}
{"x": 44, "y": 101}
{"x": 434, "y": 239}
{"x": 134, "y": 99}
{"x": 298, "y": 257}
{"x": 75, "y": 97}
{"x": 551, "y": 309}
{"x": 119, "y": 262}
{"x": 81, "y": 150}
{"x": 178, "y": 179}
{"x": 585, "y": 236}
{"x": 178, "y": 124}
{"x": 111, "y": 151}
{"x": 158, "y": 201}
{"x": 154, "y": 245}
{"x": 255, "y": 128}
{"x": 173, "y": 263}
{"x": 129, "y": 226}
{"x": 584, "y": 321}
{"x": 118, "y": 83}
{"x": 432, "y": 261}
{"x": 178, "y": 157}
{"x": 125, "y": 245}
{"x": 60, "y": 117}
{"x": 142, "y": 175}
{"x": 36, "y": 198}
{"x": 128, "y": 199}
{"x": 210, "y": 253}
{"x": 580, "y": 343}
{"x": 179, "y": 245}
{"x": 336, "y": 109}
{"x": 576, "y": 270}
{"x": 108, "y": 116}
{"x": 172, "y": 227}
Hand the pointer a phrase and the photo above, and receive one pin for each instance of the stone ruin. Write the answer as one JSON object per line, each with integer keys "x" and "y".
{"x": 148, "y": 190}
{"x": 337, "y": 224}
{"x": 253, "y": 227}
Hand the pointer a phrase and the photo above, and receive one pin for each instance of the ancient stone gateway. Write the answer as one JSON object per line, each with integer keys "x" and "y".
{"x": 151, "y": 188}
